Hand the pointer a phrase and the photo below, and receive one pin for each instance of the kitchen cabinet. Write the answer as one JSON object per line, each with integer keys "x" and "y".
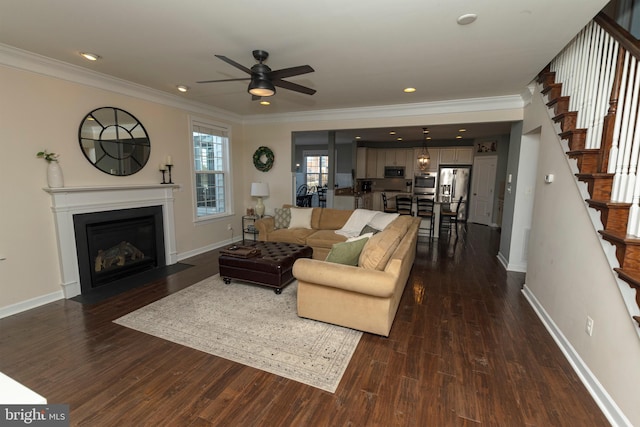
{"x": 361, "y": 163}
{"x": 381, "y": 162}
{"x": 456, "y": 156}
{"x": 396, "y": 157}
{"x": 372, "y": 159}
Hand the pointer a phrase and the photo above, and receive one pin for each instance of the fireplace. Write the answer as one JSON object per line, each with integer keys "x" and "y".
{"x": 69, "y": 202}
{"x": 114, "y": 245}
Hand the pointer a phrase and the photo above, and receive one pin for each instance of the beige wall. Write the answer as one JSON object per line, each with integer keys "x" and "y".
{"x": 39, "y": 112}
{"x": 569, "y": 275}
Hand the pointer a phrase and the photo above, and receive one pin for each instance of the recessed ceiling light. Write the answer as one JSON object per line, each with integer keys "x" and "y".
{"x": 467, "y": 18}
{"x": 425, "y": 131}
{"x": 90, "y": 56}
{"x": 399, "y": 139}
{"x": 393, "y": 132}
{"x": 265, "y": 103}
{"x": 459, "y": 137}
{"x": 409, "y": 89}
{"x": 428, "y": 137}
{"x": 462, "y": 130}
{"x": 357, "y": 137}
{"x": 183, "y": 88}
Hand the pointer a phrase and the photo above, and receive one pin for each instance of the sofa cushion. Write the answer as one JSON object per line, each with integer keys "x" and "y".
{"x": 324, "y": 239}
{"x": 347, "y": 253}
{"x": 379, "y": 248}
{"x": 300, "y": 218}
{"x": 282, "y": 217}
{"x": 331, "y": 219}
{"x": 291, "y": 235}
{"x": 401, "y": 223}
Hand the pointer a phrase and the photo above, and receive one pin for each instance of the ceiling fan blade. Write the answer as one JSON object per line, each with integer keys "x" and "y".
{"x": 290, "y": 72}
{"x": 224, "y": 80}
{"x": 293, "y": 86}
{"x": 234, "y": 63}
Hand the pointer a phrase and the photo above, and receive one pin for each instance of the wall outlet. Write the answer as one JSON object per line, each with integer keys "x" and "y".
{"x": 229, "y": 227}
{"x": 588, "y": 328}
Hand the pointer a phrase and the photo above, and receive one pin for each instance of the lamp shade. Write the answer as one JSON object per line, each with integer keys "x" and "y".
{"x": 259, "y": 189}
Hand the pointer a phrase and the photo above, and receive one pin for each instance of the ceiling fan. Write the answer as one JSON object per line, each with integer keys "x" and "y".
{"x": 263, "y": 80}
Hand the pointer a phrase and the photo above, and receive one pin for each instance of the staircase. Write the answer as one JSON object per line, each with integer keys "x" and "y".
{"x": 592, "y": 86}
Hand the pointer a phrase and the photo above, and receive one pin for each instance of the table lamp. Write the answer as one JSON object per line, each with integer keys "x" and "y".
{"x": 259, "y": 190}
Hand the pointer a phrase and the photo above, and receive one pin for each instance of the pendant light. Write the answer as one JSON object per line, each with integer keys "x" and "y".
{"x": 424, "y": 158}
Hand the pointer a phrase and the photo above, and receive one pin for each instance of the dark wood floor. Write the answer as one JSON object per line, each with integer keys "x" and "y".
{"x": 465, "y": 349}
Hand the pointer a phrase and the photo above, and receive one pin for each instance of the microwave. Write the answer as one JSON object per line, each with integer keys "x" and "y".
{"x": 425, "y": 183}
{"x": 394, "y": 172}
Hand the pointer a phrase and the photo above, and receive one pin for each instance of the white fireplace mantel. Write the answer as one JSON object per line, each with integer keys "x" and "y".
{"x": 68, "y": 201}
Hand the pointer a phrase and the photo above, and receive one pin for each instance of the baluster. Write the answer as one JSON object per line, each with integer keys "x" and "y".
{"x": 633, "y": 157}
{"x": 583, "y": 70}
{"x": 610, "y": 147}
{"x": 633, "y": 225}
{"x": 624, "y": 134}
{"x": 604, "y": 96}
{"x": 617, "y": 141}
{"x": 591, "y": 83}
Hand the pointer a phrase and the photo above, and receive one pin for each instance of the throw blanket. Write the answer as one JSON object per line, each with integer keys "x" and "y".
{"x": 356, "y": 222}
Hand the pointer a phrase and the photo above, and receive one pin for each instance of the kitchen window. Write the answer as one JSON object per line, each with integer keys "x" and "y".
{"x": 316, "y": 170}
{"x": 211, "y": 170}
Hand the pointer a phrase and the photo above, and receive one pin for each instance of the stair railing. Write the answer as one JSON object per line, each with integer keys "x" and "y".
{"x": 600, "y": 73}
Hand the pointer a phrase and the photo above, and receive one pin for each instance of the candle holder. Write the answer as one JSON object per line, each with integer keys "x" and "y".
{"x": 163, "y": 179}
{"x": 169, "y": 170}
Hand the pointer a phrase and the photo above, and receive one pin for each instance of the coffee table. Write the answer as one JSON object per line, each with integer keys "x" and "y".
{"x": 272, "y": 268}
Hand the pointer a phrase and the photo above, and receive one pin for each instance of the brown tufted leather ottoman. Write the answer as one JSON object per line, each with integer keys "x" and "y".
{"x": 271, "y": 268}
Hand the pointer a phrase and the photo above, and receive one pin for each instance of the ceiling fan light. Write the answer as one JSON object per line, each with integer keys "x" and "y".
{"x": 261, "y": 87}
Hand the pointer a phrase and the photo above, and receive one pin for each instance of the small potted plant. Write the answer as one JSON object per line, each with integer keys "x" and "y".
{"x": 54, "y": 172}
{"x": 49, "y": 157}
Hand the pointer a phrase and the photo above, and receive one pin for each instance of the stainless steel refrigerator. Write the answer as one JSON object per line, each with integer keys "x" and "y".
{"x": 453, "y": 183}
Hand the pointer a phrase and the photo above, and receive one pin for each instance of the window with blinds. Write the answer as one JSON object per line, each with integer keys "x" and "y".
{"x": 211, "y": 168}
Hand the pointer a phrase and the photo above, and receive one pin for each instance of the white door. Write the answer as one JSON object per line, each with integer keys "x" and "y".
{"x": 482, "y": 189}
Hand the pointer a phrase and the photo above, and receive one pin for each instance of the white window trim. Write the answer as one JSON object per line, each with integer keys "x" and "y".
{"x": 195, "y": 121}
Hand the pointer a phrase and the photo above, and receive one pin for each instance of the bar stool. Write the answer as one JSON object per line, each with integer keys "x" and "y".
{"x": 448, "y": 217}
{"x": 424, "y": 209}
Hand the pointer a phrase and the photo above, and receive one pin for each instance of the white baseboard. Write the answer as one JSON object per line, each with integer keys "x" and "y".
{"x": 520, "y": 268}
{"x": 21, "y": 306}
{"x": 608, "y": 406}
{"x": 194, "y": 252}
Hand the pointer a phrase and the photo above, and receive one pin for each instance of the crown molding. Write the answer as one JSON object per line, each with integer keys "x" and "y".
{"x": 29, "y": 61}
{"x": 32, "y": 62}
{"x": 470, "y": 105}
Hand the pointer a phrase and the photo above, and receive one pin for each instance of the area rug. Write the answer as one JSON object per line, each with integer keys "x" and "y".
{"x": 251, "y": 325}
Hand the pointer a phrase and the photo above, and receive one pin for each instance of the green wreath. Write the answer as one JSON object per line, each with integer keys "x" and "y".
{"x": 257, "y": 159}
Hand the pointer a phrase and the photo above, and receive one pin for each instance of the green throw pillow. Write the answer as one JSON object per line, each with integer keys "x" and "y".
{"x": 347, "y": 253}
{"x": 368, "y": 229}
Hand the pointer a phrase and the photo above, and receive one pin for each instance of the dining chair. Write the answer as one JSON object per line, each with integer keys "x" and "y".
{"x": 403, "y": 205}
{"x": 322, "y": 196}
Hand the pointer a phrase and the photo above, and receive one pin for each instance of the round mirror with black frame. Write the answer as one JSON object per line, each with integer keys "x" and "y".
{"x": 114, "y": 141}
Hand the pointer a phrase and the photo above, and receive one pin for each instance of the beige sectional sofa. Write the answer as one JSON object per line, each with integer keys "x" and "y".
{"x": 363, "y": 297}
